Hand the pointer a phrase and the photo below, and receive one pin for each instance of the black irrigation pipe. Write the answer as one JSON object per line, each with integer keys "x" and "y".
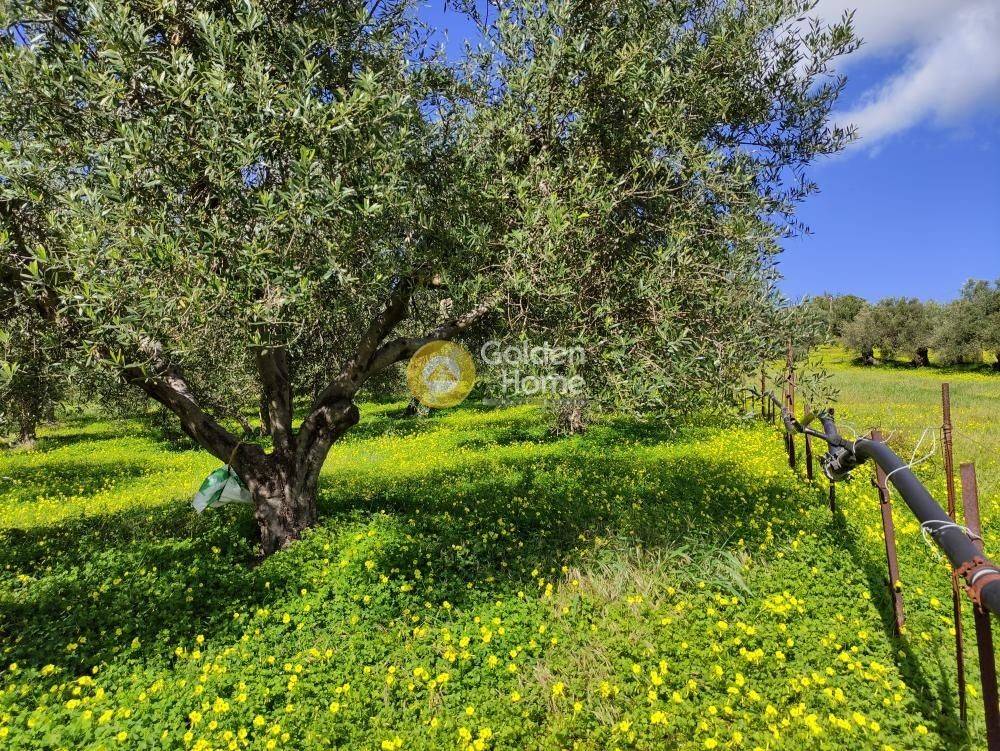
{"x": 981, "y": 575}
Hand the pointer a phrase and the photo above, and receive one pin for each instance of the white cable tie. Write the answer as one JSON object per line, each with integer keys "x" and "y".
{"x": 980, "y": 573}
{"x": 913, "y": 463}
{"x": 933, "y": 528}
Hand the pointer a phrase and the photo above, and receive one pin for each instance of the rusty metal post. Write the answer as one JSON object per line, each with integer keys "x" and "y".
{"x": 809, "y": 458}
{"x": 889, "y": 533}
{"x": 984, "y": 629}
{"x": 809, "y": 449}
{"x": 763, "y": 395}
{"x": 790, "y": 401}
{"x": 949, "y": 462}
{"x": 956, "y": 595}
{"x": 833, "y": 485}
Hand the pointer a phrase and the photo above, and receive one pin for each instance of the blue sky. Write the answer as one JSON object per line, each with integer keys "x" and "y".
{"x": 913, "y": 209}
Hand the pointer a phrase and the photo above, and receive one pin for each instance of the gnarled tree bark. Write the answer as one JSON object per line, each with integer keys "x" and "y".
{"x": 284, "y": 482}
{"x": 27, "y": 434}
{"x": 284, "y": 486}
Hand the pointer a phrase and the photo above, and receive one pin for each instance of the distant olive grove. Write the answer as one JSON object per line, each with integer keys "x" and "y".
{"x": 959, "y": 332}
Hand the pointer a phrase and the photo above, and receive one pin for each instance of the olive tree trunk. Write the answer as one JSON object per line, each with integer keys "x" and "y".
{"x": 27, "y": 410}
{"x": 284, "y": 482}
{"x": 284, "y": 485}
{"x": 570, "y": 417}
{"x": 27, "y": 434}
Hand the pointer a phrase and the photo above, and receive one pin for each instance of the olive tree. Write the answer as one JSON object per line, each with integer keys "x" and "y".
{"x": 862, "y": 335}
{"x": 290, "y": 191}
{"x": 894, "y": 325}
{"x": 32, "y": 374}
{"x": 34, "y": 367}
{"x": 837, "y": 311}
{"x": 242, "y": 186}
{"x": 971, "y": 324}
{"x": 644, "y": 157}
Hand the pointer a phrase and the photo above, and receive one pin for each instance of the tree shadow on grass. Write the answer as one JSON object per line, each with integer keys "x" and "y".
{"x": 935, "y": 702}
{"x": 99, "y": 582}
{"x": 980, "y": 368}
{"x": 134, "y": 584}
{"x": 66, "y": 477}
{"x": 46, "y": 443}
{"x": 516, "y": 515}
{"x": 604, "y": 434}
{"x": 71, "y": 430}
{"x": 80, "y": 590}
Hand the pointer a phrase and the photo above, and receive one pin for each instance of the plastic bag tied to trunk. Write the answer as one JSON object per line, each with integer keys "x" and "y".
{"x": 219, "y": 488}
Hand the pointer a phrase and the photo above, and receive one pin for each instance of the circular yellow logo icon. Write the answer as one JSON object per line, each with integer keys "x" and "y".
{"x": 441, "y": 374}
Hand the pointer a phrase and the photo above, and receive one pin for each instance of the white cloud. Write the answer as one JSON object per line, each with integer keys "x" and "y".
{"x": 952, "y": 68}
{"x": 886, "y": 25}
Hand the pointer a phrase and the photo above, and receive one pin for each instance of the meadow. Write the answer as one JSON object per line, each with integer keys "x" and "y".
{"x": 905, "y": 402}
{"x": 478, "y": 584}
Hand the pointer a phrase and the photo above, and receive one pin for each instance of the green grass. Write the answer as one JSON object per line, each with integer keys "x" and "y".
{"x": 473, "y": 583}
{"x": 905, "y": 402}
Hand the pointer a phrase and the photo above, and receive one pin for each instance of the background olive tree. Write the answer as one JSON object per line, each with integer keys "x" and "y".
{"x": 33, "y": 375}
{"x": 970, "y": 325}
{"x": 286, "y": 192}
{"x": 958, "y": 332}
{"x": 836, "y": 311}
{"x": 35, "y": 366}
{"x": 894, "y": 325}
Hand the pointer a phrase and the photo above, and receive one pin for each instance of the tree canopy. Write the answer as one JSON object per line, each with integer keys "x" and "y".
{"x": 646, "y": 156}
{"x": 836, "y": 311}
{"x": 971, "y": 324}
{"x": 894, "y": 325}
{"x": 287, "y": 191}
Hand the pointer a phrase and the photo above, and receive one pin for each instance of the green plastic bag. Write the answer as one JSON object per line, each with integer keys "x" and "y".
{"x": 221, "y": 487}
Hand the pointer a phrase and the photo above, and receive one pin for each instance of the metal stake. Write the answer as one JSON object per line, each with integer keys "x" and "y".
{"x": 833, "y": 486}
{"x": 984, "y": 630}
{"x": 889, "y": 533}
{"x": 809, "y": 452}
{"x": 790, "y": 402}
{"x": 763, "y": 394}
{"x": 956, "y": 595}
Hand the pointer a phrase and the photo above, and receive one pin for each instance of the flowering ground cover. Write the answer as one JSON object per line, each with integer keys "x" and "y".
{"x": 474, "y": 584}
